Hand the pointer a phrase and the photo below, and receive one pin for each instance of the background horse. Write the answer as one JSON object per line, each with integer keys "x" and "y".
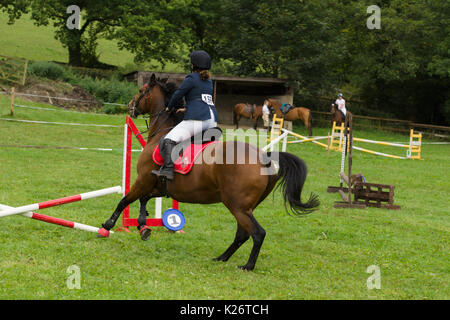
{"x": 297, "y": 113}
{"x": 336, "y": 115}
{"x": 248, "y": 111}
{"x": 228, "y": 176}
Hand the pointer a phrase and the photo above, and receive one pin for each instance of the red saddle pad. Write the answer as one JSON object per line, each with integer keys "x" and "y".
{"x": 185, "y": 162}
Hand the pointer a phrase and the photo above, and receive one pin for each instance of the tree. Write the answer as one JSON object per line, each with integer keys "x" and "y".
{"x": 403, "y": 68}
{"x": 291, "y": 39}
{"x": 170, "y": 30}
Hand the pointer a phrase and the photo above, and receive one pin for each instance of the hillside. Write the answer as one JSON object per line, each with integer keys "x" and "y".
{"x": 25, "y": 40}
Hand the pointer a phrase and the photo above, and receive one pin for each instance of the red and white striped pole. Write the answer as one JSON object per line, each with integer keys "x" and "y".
{"x": 57, "y": 202}
{"x": 53, "y": 220}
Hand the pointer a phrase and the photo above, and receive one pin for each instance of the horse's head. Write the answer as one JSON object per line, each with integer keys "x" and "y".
{"x": 274, "y": 106}
{"x": 151, "y": 99}
{"x": 333, "y": 109}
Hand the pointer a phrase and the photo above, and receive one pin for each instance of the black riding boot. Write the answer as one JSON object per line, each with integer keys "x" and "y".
{"x": 166, "y": 169}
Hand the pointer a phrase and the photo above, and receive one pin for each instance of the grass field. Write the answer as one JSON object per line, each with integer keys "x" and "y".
{"x": 324, "y": 255}
{"x": 25, "y": 40}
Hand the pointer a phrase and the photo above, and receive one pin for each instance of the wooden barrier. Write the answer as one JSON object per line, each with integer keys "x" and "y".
{"x": 365, "y": 194}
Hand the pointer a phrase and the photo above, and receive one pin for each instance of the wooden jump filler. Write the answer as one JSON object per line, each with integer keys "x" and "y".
{"x": 364, "y": 194}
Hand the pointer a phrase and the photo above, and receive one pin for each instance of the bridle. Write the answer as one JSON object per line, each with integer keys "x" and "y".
{"x": 135, "y": 112}
{"x": 136, "y": 103}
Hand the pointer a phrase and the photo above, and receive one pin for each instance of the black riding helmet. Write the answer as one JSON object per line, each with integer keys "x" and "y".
{"x": 200, "y": 59}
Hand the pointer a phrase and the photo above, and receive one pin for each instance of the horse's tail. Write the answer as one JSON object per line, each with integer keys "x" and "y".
{"x": 292, "y": 173}
{"x": 234, "y": 116}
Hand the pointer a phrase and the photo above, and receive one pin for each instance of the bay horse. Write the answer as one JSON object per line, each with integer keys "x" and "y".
{"x": 239, "y": 184}
{"x": 248, "y": 111}
{"x": 336, "y": 115}
{"x": 297, "y": 113}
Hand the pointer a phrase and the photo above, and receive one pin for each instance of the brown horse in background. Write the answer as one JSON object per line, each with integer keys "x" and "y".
{"x": 297, "y": 113}
{"x": 248, "y": 111}
{"x": 229, "y": 176}
{"x": 336, "y": 115}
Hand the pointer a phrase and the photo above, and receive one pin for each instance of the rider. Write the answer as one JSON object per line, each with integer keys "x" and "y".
{"x": 340, "y": 102}
{"x": 200, "y": 112}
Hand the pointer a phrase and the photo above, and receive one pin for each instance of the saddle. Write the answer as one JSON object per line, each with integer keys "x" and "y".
{"x": 190, "y": 149}
{"x": 286, "y": 107}
{"x": 250, "y": 108}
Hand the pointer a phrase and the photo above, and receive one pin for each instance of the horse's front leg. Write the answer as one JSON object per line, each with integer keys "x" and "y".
{"x": 255, "y": 122}
{"x": 144, "y": 230}
{"x": 136, "y": 192}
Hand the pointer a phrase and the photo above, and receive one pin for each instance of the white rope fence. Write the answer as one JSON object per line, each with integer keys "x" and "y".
{"x": 59, "y": 110}
{"x": 60, "y": 98}
{"x": 62, "y": 123}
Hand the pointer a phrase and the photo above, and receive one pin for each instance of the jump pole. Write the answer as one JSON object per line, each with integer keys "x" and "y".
{"x": 53, "y": 220}
{"x": 275, "y": 141}
{"x": 414, "y": 146}
{"x": 305, "y": 139}
{"x": 60, "y": 201}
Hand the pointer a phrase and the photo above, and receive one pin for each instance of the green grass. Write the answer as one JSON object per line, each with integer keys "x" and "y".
{"x": 26, "y": 40}
{"x": 321, "y": 256}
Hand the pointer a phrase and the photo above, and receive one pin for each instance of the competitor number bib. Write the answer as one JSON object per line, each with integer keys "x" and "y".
{"x": 207, "y": 98}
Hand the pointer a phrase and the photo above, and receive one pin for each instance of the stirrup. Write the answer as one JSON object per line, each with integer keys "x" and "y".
{"x": 164, "y": 172}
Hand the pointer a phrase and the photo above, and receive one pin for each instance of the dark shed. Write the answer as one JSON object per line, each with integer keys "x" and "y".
{"x": 229, "y": 91}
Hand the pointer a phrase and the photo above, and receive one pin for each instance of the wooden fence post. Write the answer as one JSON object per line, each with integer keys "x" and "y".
{"x": 12, "y": 100}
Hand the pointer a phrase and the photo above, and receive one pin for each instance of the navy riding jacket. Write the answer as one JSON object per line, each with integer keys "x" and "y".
{"x": 199, "y": 100}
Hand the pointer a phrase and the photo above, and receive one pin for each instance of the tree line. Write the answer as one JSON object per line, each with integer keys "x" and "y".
{"x": 323, "y": 47}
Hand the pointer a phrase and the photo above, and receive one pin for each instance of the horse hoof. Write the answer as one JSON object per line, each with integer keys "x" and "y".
{"x": 246, "y": 268}
{"x": 103, "y": 233}
{"x": 145, "y": 233}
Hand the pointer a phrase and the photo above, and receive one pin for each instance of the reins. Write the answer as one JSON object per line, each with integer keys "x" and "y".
{"x": 158, "y": 129}
{"x": 156, "y": 115}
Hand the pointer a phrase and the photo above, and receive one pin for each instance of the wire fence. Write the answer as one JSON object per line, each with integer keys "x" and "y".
{"x": 323, "y": 119}
{"x": 60, "y": 98}
{"x": 320, "y": 118}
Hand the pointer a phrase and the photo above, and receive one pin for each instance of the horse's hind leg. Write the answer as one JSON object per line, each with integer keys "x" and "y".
{"x": 248, "y": 224}
{"x": 258, "y": 234}
{"x": 239, "y": 240}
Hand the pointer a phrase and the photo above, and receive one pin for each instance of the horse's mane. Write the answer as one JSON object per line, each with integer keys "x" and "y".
{"x": 275, "y": 102}
{"x": 169, "y": 88}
